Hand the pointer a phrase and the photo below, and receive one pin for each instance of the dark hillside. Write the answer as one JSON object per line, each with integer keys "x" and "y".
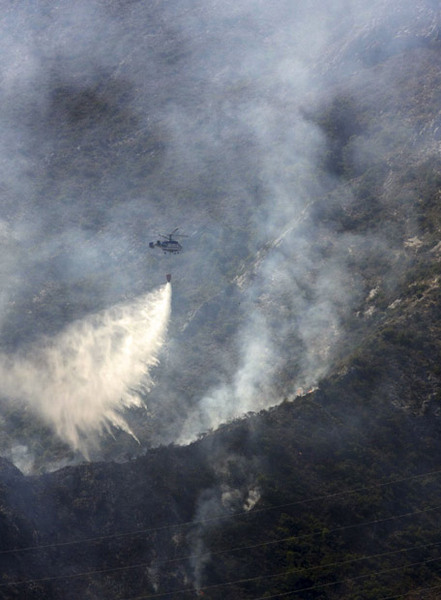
{"x": 336, "y": 494}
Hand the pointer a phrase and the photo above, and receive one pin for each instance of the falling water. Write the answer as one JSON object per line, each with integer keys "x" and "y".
{"x": 81, "y": 381}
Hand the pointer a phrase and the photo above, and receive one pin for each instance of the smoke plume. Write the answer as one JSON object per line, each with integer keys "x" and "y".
{"x": 231, "y": 121}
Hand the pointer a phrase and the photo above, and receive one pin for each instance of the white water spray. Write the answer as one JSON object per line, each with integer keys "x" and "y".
{"x": 81, "y": 381}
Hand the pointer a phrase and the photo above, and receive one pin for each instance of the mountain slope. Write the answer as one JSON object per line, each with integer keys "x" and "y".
{"x": 332, "y": 493}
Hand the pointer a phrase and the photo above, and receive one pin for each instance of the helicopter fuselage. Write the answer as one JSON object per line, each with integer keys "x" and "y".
{"x": 167, "y": 246}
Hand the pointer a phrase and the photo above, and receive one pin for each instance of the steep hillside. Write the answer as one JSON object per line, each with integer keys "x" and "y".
{"x": 335, "y": 495}
{"x": 290, "y": 445}
{"x": 306, "y": 178}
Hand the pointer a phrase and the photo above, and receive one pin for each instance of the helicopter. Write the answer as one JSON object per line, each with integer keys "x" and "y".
{"x": 169, "y": 245}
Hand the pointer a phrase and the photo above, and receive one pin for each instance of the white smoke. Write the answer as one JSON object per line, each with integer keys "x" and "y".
{"x": 110, "y": 103}
{"x": 248, "y": 389}
{"x": 81, "y": 381}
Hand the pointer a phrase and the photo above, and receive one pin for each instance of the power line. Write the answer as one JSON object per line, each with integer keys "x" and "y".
{"x": 298, "y": 571}
{"x": 270, "y": 541}
{"x": 358, "y": 578}
{"x": 332, "y": 583}
{"x": 192, "y": 523}
{"x": 335, "y": 530}
{"x": 291, "y": 538}
{"x": 296, "y": 538}
{"x": 220, "y": 517}
{"x": 416, "y": 590}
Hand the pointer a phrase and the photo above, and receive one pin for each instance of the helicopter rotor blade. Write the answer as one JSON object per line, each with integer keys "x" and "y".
{"x": 168, "y": 236}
